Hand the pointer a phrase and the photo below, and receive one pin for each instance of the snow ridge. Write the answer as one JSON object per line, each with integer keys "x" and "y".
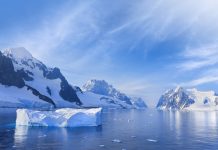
{"x": 17, "y": 53}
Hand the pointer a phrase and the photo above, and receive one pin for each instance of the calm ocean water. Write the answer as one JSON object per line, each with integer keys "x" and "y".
{"x": 148, "y": 129}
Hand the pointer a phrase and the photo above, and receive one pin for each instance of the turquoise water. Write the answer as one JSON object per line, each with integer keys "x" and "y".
{"x": 122, "y": 129}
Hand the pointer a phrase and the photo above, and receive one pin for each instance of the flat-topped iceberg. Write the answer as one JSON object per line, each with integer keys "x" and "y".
{"x": 65, "y": 117}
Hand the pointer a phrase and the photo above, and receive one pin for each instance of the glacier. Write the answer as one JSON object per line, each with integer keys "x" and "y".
{"x": 64, "y": 117}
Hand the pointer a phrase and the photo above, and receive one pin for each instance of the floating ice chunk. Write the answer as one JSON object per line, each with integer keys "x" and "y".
{"x": 41, "y": 136}
{"x": 101, "y": 145}
{"x": 116, "y": 140}
{"x": 151, "y": 140}
{"x": 65, "y": 117}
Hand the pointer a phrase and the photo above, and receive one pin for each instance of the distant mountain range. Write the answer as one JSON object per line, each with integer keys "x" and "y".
{"x": 112, "y": 95}
{"x": 27, "y": 82}
{"x": 180, "y": 98}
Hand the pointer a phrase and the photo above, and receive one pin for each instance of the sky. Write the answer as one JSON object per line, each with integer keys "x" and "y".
{"x": 141, "y": 47}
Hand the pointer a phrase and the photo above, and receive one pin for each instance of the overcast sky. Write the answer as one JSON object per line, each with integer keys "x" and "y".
{"x": 142, "y": 47}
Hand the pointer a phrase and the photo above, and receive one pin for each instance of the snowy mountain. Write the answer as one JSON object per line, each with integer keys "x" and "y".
{"x": 138, "y": 102}
{"x": 104, "y": 94}
{"x": 180, "y": 98}
{"x": 27, "y": 82}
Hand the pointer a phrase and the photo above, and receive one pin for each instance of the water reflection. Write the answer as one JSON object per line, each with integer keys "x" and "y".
{"x": 192, "y": 123}
{"x": 204, "y": 122}
{"x": 170, "y": 129}
{"x": 20, "y": 135}
{"x": 180, "y": 124}
{"x": 48, "y": 137}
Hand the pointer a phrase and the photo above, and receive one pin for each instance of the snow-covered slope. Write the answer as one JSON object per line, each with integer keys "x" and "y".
{"x": 100, "y": 93}
{"x": 27, "y": 82}
{"x": 180, "y": 98}
{"x": 204, "y": 100}
{"x": 138, "y": 103}
{"x": 90, "y": 99}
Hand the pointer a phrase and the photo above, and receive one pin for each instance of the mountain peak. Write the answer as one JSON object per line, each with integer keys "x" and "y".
{"x": 97, "y": 86}
{"x": 177, "y": 98}
{"x": 178, "y": 88}
{"x": 18, "y": 53}
{"x": 97, "y": 81}
{"x": 104, "y": 88}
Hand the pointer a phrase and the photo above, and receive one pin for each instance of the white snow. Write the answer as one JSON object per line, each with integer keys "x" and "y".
{"x": 39, "y": 82}
{"x": 138, "y": 103}
{"x": 18, "y": 53}
{"x": 90, "y": 99}
{"x": 23, "y": 60}
{"x": 54, "y": 86}
{"x": 201, "y": 100}
{"x": 200, "y": 97}
{"x": 15, "y": 97}
{"x": 103, "y": 88}
{"x": 65, "y": 117}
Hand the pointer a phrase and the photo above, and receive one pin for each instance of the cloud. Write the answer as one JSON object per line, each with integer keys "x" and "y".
{"x": 196, "y": 58}
{"x": 201, "y": 62}
{"x": 59, "y": 28}
{"x": 85, "y": 23}
{"x": 161, "y": 20}
{"x": 71, "y": 38}
{"x": 201, "y": 80}
{"x": 87, "y": 39}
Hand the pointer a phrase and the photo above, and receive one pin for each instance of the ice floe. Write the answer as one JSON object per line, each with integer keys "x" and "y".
{"x": 65, "y": 117}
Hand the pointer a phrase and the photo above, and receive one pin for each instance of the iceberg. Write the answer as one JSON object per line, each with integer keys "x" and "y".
{"x": 64, "y": 117}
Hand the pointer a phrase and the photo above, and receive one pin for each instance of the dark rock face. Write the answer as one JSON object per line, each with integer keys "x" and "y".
{"x": 7, "y": 74}
{"x": 42, "y": 97}
{"x": 48, "y": 90}
{"x": 24, "y": 75}
{"x": 10, "y": 77}
{"x": 78, "y": 89}
{"x": 54, "y": 74}
{"x": 67, "y": 92}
